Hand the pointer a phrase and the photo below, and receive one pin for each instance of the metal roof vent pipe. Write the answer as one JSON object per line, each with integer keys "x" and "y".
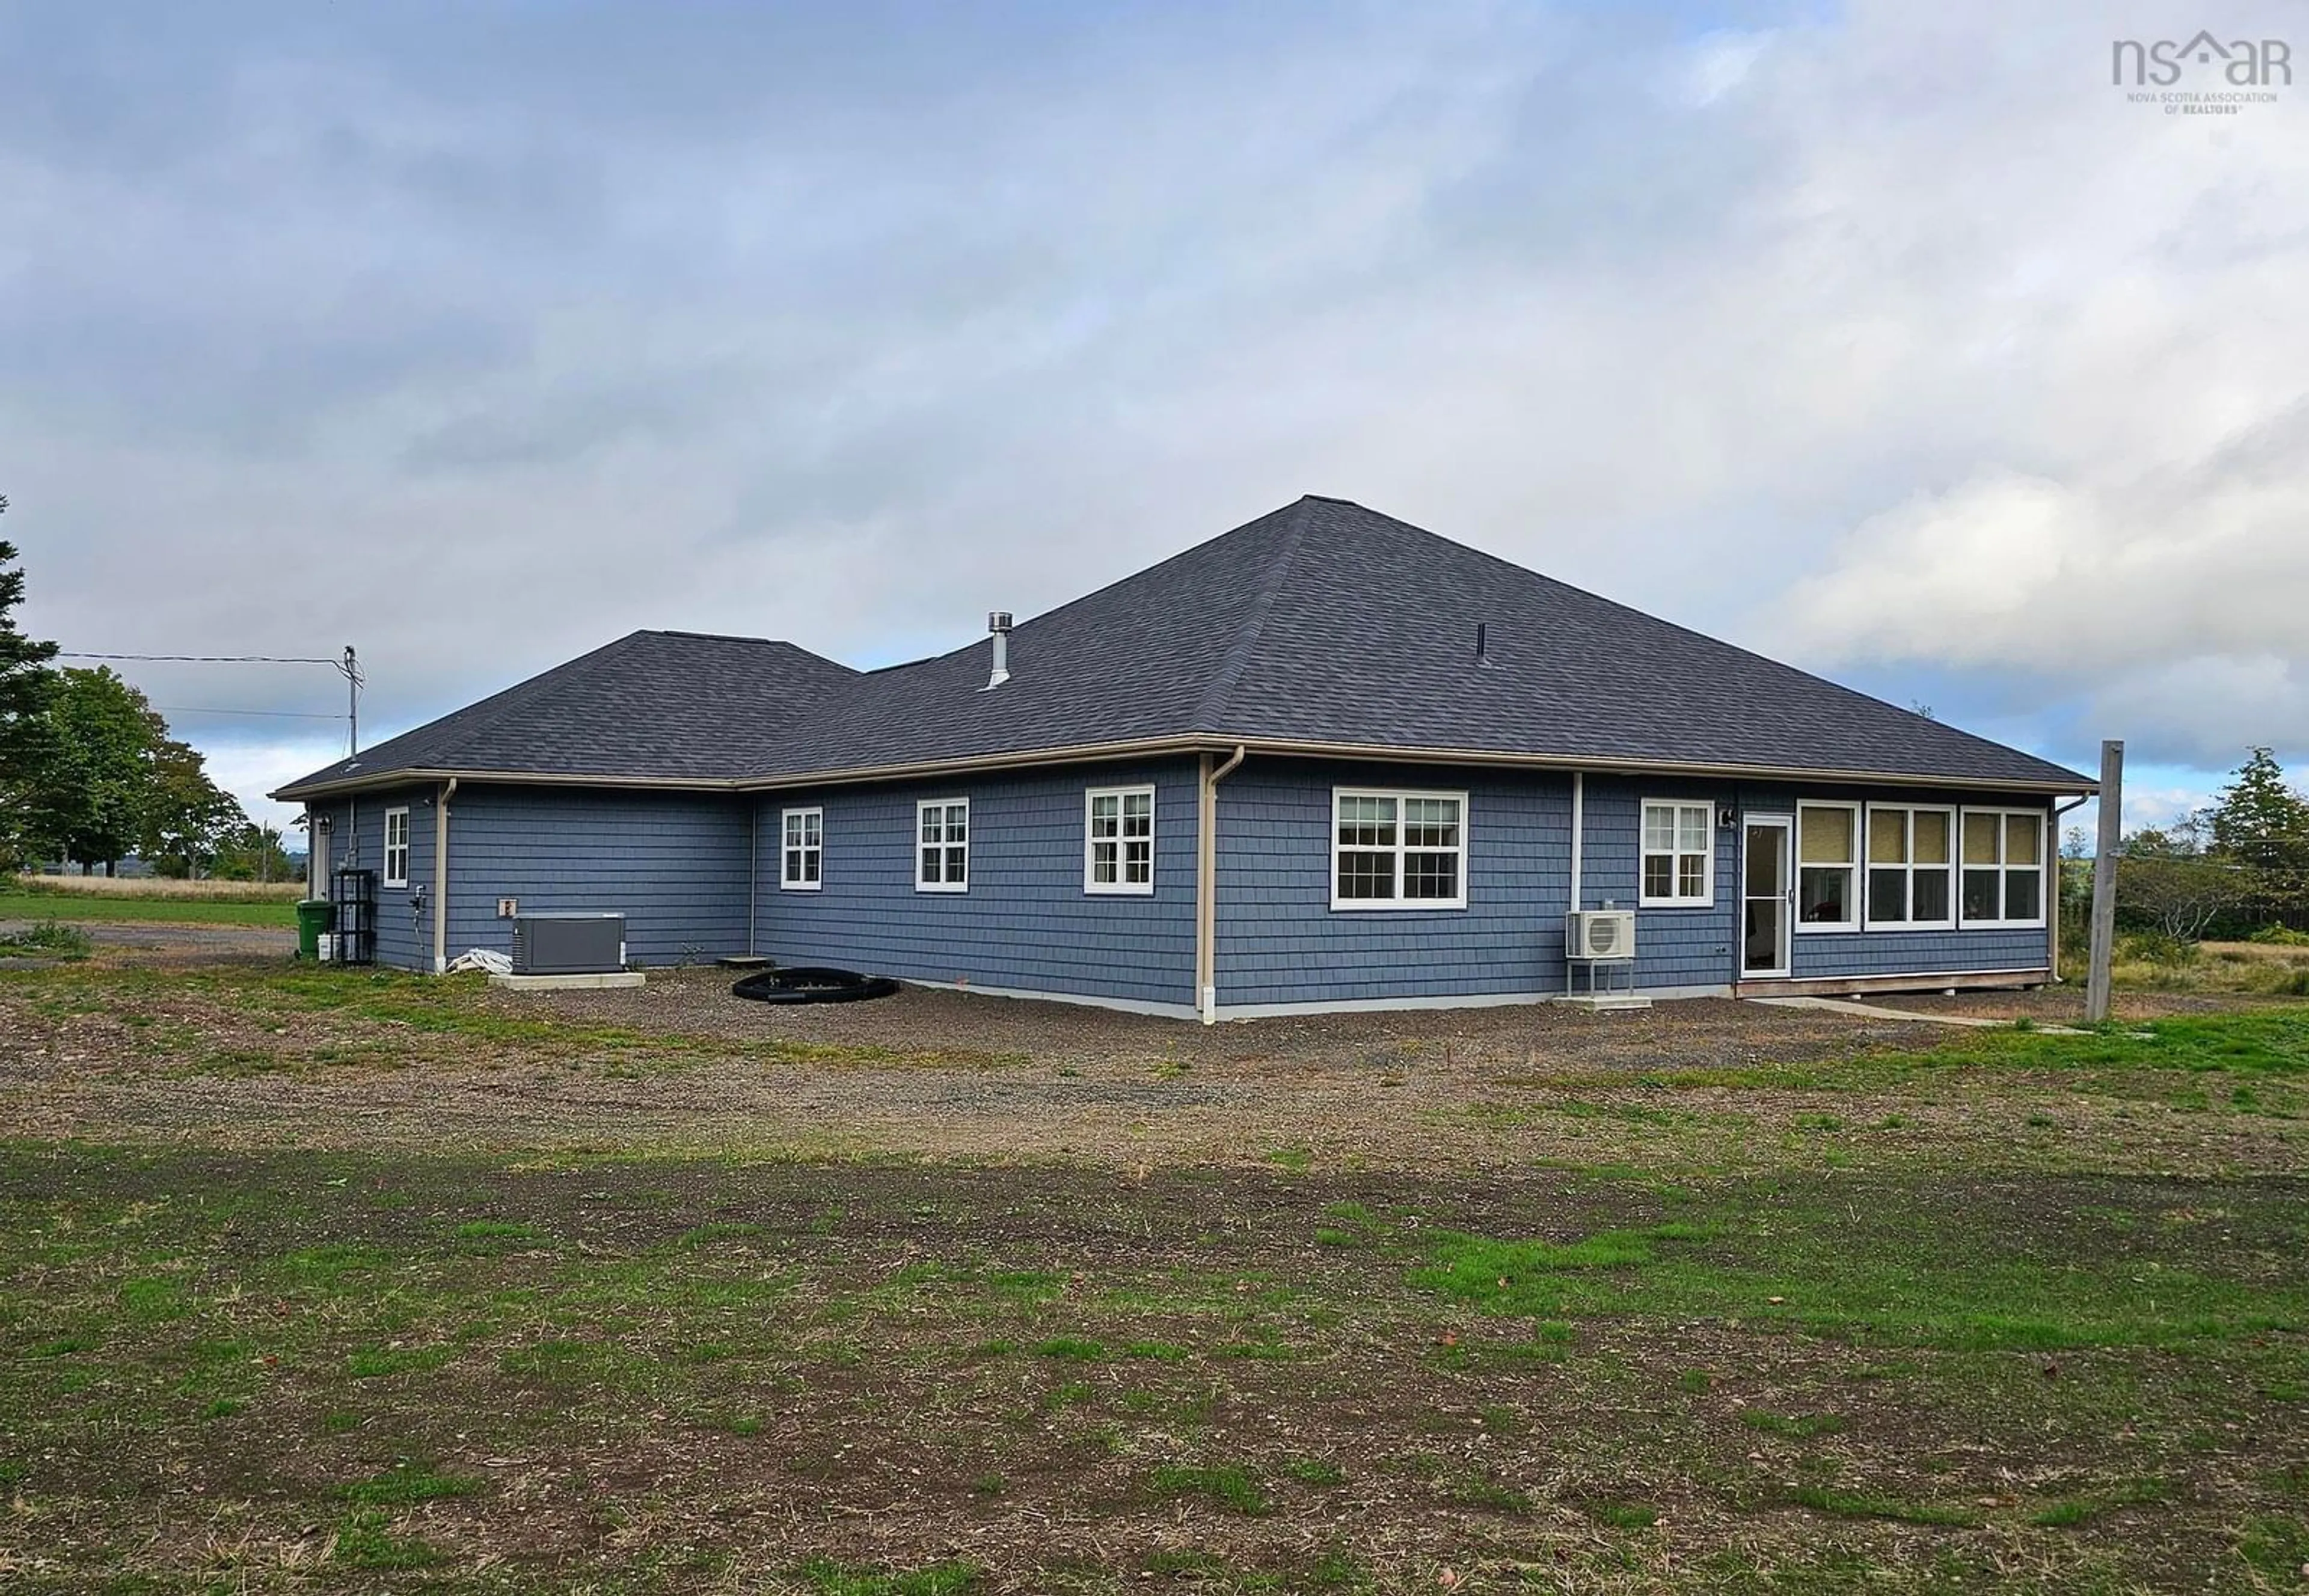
{"x": 998, "y": 622}
{"x": 1482, "y": 645}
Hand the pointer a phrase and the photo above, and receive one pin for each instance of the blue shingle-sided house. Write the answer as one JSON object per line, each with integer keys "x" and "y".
{"x": 1326, "y": 760}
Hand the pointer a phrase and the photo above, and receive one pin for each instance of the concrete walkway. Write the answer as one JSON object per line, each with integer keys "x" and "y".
{"x": 1878, "y": 1012}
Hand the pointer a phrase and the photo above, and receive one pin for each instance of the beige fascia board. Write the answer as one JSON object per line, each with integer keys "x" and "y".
{"x": 1142, "y": 748}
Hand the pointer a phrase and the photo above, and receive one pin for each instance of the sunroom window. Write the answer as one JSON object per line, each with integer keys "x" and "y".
{"x": 1827, "y": 840}
{"x": 1909, "y": 866}
{"x": 2003, "y": 872}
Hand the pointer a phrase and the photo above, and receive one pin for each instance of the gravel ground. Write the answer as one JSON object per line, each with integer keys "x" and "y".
{"x": 173, "y": 943}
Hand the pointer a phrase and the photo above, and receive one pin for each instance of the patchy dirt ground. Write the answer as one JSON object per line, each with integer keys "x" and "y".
{"x": 316, "y": 1279}
{"x": 245, "y": 1054}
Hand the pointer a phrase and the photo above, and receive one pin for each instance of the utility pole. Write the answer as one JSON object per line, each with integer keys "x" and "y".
{"x": 2103, "y": 897}
{"x": 350, "y": 668}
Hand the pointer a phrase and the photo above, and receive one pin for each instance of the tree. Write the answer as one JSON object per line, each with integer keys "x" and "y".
{"x": 2179, "y": 894}
{"x": 92, "y": 790}
{"x": 252, "y": 852}
{"x": 2259, "y": 820}
{"x": 25, "y": 683}
{"x": 187, "y": 816}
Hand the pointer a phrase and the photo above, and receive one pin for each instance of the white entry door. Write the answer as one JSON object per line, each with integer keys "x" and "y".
{"x": 1768, "y": 902}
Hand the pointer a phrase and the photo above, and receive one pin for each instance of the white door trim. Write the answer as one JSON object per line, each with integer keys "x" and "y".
{"x": 1785, "y": 825}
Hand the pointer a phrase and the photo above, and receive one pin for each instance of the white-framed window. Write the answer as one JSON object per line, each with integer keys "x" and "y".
{"x": 942, "y": 856}
{"x": 2002, "y": 877}
{"x": 396, "y": 847}
{"x": 801, "y": 850}
{"x": 1911, "y": 867}
{"x": 1118, "y": 839}
{"x": 1398, "y": 850}
{"x": 1679, "y": 863}
{"x": 1828, "y": 866}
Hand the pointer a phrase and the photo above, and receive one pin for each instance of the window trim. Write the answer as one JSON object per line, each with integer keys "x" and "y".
{"x": 942, "y": 804}
{"x": 388, "y": 878}
{"x": 1707, "y": 900}
{"x": 2043, "y": 867}
{"x": 1853, "y": 865}
{"x": 788, "y": 849}
{"x": 1399, "y": 903}
{"x": 1120, "y": 887}
{"x": 1869, "y": 922}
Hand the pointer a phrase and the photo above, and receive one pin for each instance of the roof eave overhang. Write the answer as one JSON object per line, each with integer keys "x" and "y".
{"x": 1156, "y": 747}
{"x": 414, "y": 776}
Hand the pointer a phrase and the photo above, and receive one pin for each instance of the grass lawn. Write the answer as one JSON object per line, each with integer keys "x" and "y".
{"x": 2018, "y": 1312}
{"x": 68, "y": 907}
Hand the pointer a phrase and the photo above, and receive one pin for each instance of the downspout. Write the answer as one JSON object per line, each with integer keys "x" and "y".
{"x": 2053, "y": 896}
{"x": 754, "y": 878}
{"x": 441, "y": 876}
{"x": 1579, "y": 829}
{"x": 1207, "y": 884}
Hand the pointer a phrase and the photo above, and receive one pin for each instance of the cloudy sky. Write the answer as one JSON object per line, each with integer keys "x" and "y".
{"x": 1888, "y": 339}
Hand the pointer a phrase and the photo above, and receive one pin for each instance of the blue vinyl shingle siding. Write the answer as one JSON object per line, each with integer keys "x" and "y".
{"x": 674, "y": 864}
{"x": 1280, "y": 941}
{"x": 681, "y": 867}
{"x": 405, "y": 939}
{"x": 1025, "y": 924}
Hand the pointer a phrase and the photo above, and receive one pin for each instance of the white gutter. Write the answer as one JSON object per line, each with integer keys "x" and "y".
{"x": 441, "y": 877}
{"x": 1207, "y": 884}
{"x": 1138, "y": 748}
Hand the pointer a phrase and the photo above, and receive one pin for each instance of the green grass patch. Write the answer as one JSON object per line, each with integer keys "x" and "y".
{"x": 1315, "y": 1471}
{"x": 1232, "y": 1486}
{"x": 124, "y": 909}
{"x": 365, "y": 1541}
{"x": 50, "y": 939}
{"x": 1801, "y": 1427}
{"x": 1842, "y": 1504}
{"x": 1623, "y": 1515}
{"x": 376, "y": 1363}
{"x": 406, "y": 1483}
{"x": 1077, "y": 1348}
{"x": 2070, "y": 1512}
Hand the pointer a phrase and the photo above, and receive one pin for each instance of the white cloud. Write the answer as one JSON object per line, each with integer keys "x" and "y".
{"x": 1891, "y": 337}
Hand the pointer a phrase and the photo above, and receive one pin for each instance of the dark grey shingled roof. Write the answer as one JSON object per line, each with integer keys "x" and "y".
{"x": 1323, "y": 624}
{"x": 663, "y": 706}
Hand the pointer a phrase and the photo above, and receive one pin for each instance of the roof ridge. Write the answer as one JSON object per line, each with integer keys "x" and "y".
{"x": 1237, "y": 657}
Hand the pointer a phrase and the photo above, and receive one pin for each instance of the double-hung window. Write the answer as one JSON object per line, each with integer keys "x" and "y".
{"x": 1679, "y": 856}
{"x": 2004, "y": 868}
{"x": 1828, "y": 866}
{"x": 1118, "y": 839}
{"x": 396, "y": 847}
{"x": 942, "y": 861}
{"x": 1398, "y": 850}
{"x": 802, "y": 850}
{"x": 1910, "y": 863}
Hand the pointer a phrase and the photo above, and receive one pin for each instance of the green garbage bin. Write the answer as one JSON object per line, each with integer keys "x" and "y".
{"x": 312, "y": 923}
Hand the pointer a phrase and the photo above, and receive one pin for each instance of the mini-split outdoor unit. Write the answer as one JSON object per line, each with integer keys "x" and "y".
{"x": 1599, "y": 934}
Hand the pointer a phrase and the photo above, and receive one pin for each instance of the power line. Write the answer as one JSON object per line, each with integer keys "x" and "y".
{"x": 215, "y": 659}
{"x": 210, "y": 709}
{"x": 348, "y": 667}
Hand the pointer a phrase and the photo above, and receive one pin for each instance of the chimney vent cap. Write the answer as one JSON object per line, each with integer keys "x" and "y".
{"x": 997, "y": 620}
